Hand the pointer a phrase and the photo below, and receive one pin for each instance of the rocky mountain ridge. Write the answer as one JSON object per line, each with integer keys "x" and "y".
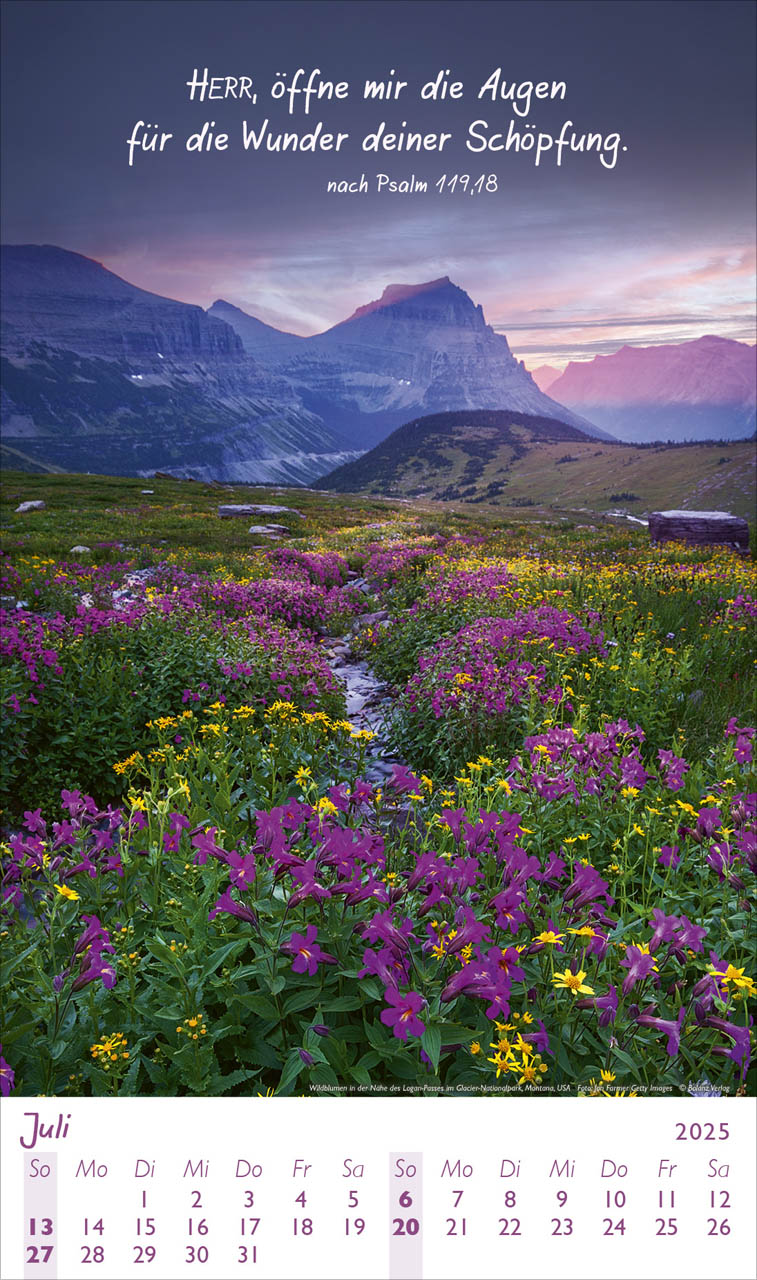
{"x": 99, "y": 374}
{"x": 418, "y": 349}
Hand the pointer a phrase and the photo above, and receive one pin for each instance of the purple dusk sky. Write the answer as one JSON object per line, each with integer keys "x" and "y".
{"x": 568, "y": 261}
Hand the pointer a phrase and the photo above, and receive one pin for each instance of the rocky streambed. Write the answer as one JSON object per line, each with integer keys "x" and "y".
{"x": 368, "y": 702}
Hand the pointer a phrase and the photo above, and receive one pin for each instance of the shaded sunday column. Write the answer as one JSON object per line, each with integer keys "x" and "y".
{"x": 406, "y": 1215}
{"x": 40, "y": 1215}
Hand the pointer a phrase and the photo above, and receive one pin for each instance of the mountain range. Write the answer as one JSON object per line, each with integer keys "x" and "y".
{"x": 697, "y": 390}
{"x": 100, "y": 375}
{"x": 418, "y": 349}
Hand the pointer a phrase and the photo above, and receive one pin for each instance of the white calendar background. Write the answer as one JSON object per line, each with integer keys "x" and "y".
{"x": 401, "y": 1189}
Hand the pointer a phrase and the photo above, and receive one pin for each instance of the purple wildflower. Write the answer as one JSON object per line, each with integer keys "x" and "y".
{"x": 241, "y": 869}
{"x": 402, "y": 1015}
{"x": 383, "y": 964}
{"x": 205, "y": 844}
{"x": 669, "y": 856}
{"x": 381, "y": 928}
{"x": 741, "y": 1051}
{"x": 664, "y": 928}
{"x": 229, "y": 906}
{"x": 639, "y": 963}
{"x": 606, "y": 1006}
{"x": 7, "y": 1076}
{"x": 671, "y": 1029}
{"x": 691, "y": 935}
{"x": 306, "y": 951}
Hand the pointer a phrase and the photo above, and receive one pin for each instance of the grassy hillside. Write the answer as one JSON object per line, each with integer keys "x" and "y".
{"x": 509, "y": 460}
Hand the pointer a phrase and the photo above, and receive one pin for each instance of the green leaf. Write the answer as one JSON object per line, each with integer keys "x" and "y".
{"x": 432, "y": 1043}
{"x": 258, "y": 1004}
{"x": 627, "y": 1061}
{"x": 301, "y": 1000}
{"x": 292, "y": 1068}
{"x": 376, "y": 1036}
{"x": 343, "y": 1004}
{"x": 222, "y": 1084}
{"x": 216, "y": 960}
{"x": 262, "y": 1053}
{"x": 162, "y": 952}
{"x": 321, "y": 1073}
{"x": 10, "y": 1035}
{"x": 10, "y": 966}
{"x": 453, "y": 1033}
{"x": 231, "y": 1029}
{"x": 249, "y": 970}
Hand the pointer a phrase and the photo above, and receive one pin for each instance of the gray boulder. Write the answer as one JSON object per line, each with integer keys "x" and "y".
{"x": 242, "y": 509}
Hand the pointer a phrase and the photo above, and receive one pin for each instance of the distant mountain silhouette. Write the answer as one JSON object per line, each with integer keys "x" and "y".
{"x": 544, "y": 375}
{"x": 696, "y": 390}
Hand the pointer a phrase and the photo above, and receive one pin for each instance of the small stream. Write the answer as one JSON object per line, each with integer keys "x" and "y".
{"x": 367, "y": 700}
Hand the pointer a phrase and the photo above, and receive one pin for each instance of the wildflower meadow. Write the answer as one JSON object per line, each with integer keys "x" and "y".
{"x": 534, "y": 873}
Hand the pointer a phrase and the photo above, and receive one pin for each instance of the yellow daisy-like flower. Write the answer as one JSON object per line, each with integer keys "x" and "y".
{"x": 736, "y": 976}
{"x": 500, "y": 1063}
{"x": 573, "y": 982}
{"x": 65, "y": 892}
{"x": 549, "y": 936}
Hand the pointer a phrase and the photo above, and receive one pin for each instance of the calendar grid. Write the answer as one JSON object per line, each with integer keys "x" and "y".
{"x": 280, "y": 1190}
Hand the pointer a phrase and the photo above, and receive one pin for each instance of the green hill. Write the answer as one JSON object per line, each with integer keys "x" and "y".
{"x": 518, "y": 460}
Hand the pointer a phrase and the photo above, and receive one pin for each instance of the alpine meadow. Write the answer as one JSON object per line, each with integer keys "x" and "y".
{"x": 379, "y": 793}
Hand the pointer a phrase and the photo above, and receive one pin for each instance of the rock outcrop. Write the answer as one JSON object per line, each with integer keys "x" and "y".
{"x": 700, "y": 528}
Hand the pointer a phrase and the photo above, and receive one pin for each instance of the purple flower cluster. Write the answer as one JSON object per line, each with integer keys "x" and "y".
{"x": 563, "y": 763}
{"x": 454, "y": 586}
{"x": 291, "y": 598}
{"x": 743, "y": 746}
{"x": 25, "y": 639}
{"x": 495, "y": 663}
{"x": 325, "y": 568}
{"x": 84, "y": 843}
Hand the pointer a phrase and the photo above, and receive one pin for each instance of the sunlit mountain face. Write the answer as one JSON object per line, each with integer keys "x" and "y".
{"x": 697, "y": 390}
{"x": 101, "y": 375}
